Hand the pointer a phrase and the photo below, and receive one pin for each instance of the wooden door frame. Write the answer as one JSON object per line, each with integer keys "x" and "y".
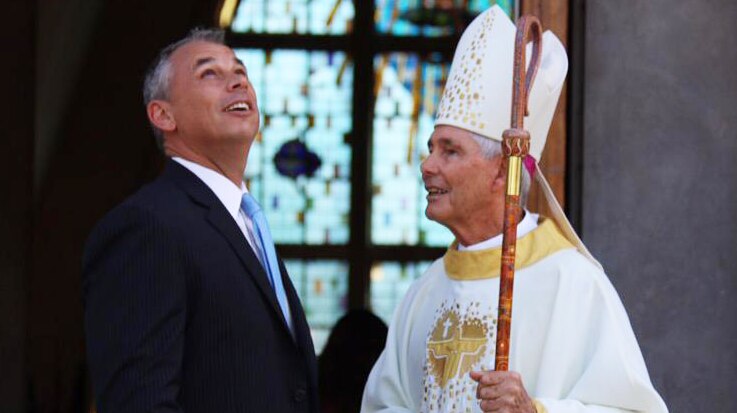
{"x": 561, "y": 160}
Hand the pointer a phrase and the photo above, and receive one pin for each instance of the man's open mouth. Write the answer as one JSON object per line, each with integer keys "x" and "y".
{"x": 432, "y": 191}
{"x": 240, "y": 106}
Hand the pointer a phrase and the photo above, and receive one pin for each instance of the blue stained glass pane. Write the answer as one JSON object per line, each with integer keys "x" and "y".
{"x": 391, "y": 15}
{"x": 390, "y": 282}
{"x": 409, "y": 92}
{"x": 322, "y": 287}
{"x": 308, "y": 96}
{"x": 318, "y": 17}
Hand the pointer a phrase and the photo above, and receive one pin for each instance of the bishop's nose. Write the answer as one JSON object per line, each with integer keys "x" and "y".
{"x": 428, "y": 166}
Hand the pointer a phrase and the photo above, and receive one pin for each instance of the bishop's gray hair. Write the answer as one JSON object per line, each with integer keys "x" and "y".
{"x": 158, "y": 76}
{"x": 491, "y": 148}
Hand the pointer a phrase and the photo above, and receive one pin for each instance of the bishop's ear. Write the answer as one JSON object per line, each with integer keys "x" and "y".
{"x": 160, "y": 114}
{"x": 499, "y": 174}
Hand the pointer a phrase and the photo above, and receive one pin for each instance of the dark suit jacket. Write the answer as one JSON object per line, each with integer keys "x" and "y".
{"x": 180, "y": 316}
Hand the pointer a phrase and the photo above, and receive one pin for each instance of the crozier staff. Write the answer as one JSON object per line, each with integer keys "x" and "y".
{"x": 515, "y": 147}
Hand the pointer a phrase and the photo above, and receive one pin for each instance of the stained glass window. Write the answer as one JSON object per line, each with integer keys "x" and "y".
{"x": 322, "y": 287}
{"x": 306, "y": 96}
{"x": 390, "y": 282}
{"x": 409, "y": 89}
{"x": 318, "y": 17}
{"x": 404, "y": 17}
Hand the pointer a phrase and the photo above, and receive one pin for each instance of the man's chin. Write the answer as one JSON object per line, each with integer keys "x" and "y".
{"x": 433, "y": 215}
{"x": 243, "y": 128}
{"x": 243, "y": 135}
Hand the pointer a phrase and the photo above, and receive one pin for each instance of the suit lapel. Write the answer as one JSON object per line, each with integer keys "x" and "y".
{"x": 299, "y": 322}
{"x": 223, "y": 222}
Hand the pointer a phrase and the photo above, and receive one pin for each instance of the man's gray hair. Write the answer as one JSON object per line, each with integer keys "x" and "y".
{"x": 158, "y": 76}
{"x": 491, "y": 148}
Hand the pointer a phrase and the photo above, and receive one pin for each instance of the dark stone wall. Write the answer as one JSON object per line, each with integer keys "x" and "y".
{"x": 660, "y": 185}
{"x": 16, "y": 196}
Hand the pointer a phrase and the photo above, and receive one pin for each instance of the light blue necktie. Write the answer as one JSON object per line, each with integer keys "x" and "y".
{"x": 267, "y": 252}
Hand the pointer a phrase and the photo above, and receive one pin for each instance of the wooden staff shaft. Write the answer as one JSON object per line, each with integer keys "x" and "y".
{"x": 515, "y": 146}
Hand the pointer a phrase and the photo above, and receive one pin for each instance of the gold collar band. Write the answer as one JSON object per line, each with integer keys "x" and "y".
{"x": 544, "y": 240}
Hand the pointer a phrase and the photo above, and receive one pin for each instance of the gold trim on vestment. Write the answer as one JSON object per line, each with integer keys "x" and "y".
{"x": 539, "y": 407}
{"x": 544, "y": 240}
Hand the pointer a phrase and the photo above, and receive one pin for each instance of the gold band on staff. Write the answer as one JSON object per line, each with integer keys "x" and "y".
{"x": 514, "y": 175}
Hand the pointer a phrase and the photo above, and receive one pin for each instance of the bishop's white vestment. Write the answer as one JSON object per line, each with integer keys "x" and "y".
{"x": 571, "y": 340}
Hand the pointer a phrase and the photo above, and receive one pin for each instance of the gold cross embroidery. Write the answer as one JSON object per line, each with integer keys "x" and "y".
{"x": 453, "y": 356}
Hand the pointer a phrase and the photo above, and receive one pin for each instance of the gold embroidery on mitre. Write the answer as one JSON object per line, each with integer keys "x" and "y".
{"x": 465, "y": 79}
{"x": 455, "y": 345}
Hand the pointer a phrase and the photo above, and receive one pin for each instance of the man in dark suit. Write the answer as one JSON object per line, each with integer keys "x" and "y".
{"x": 187, "y": 307}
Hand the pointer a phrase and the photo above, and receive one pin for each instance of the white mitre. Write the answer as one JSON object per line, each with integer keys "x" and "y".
{"x": 478, "y": 93}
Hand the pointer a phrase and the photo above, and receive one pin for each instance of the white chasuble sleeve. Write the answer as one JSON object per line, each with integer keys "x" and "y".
{"x": 591, "y": 361}
{"x": 389, "y": 388}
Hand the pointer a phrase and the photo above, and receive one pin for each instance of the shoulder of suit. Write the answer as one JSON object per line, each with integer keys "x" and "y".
{"x": 160, "y": 203}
